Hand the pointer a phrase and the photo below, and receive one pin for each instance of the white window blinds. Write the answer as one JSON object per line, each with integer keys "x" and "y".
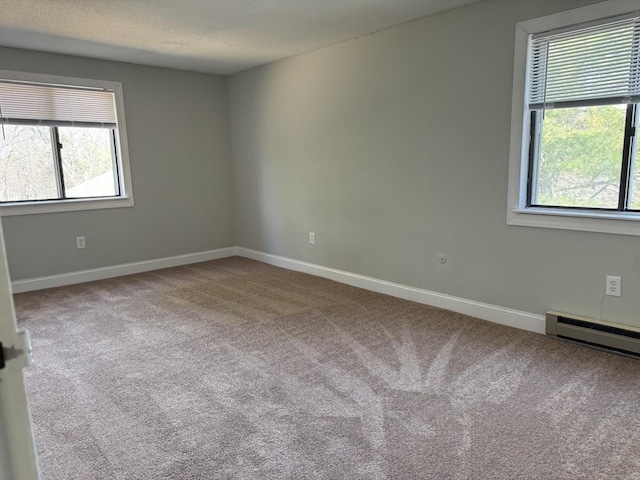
{"x": 589, "y": 65}
{"x": 35, "y": 104}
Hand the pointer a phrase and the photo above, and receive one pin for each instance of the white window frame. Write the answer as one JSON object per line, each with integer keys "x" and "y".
{"x": 624, "y": 223}
{"x": 125, "y": 199}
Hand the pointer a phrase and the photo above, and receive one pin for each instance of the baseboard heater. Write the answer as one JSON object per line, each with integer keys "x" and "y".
{"x": 607, "y": 336}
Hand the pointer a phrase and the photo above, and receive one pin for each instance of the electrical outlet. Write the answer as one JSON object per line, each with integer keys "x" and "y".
{"x": 614, "y": 286}
{"x": 80, "y": 242}
{"x": 312, "y": 238}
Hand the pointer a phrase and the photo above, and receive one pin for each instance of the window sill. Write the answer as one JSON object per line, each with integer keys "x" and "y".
{"x": 31, "y": 208}
{"x": 602, "y": 222}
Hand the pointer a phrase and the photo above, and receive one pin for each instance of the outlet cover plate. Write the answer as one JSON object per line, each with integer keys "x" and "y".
{"x": 614, "y": 286}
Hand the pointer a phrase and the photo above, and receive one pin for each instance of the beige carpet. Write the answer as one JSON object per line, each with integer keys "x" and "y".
{"x": 238, "y": 370}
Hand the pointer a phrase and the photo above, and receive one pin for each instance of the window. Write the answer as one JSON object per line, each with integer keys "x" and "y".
{"x": 62, "y": 144}
{"x": 575, "y": 117}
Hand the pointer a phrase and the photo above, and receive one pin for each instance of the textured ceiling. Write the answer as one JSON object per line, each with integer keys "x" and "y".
{"x": 215, "y": 36}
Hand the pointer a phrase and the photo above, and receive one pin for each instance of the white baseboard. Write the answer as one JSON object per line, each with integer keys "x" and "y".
{"x": 492, "y": 313}
{"x": 20, "y": 286}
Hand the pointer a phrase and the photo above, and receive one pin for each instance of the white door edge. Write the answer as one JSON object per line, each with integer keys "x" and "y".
{"x": 18, "y": 458}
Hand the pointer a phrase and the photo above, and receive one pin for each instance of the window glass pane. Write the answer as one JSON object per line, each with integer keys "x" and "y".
{"x": 26, "y": 164}
{"x": 581, "y": 157}
{"x": 634, "y": 194}
{"x": 87, "y": 162}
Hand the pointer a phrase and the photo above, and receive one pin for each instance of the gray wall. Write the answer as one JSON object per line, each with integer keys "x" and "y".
{"x": 180, "y": 165}
{"x": 393, "y": 148}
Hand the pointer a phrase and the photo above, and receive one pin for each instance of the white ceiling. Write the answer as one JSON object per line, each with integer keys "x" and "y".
{"x": 214, "y": 36}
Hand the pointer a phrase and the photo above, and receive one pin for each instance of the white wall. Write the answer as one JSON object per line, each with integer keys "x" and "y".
{"x": 178, "y": 145}
{"x": 393, "y": 148}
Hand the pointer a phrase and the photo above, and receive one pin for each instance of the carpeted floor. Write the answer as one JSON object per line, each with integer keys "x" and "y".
{"x": 234, "y": 369}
